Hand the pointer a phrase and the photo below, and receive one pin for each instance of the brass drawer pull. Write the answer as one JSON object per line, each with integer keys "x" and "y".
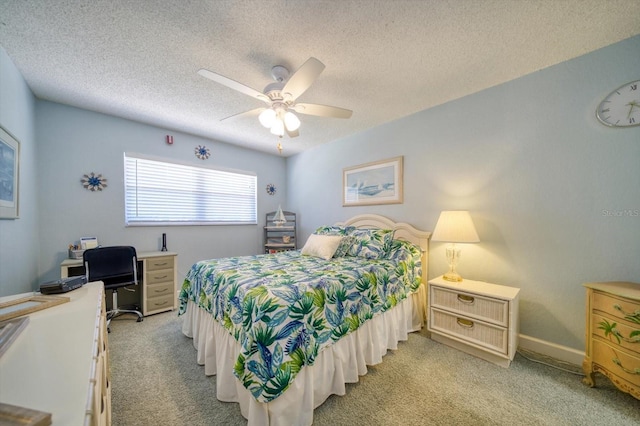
{"x": 160, "y": 264}
{"x": 617, "y": 362}
{"x": 464, "y": 323}
{"x": 160, "y": 278}
{"x": 161, "y": 291}
{"x": 631, "y": 316}
{"x": 160, "y": 304}
{"x": 466, "y": 299}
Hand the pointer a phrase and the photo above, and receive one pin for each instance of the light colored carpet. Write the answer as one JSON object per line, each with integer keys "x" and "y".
{"x": 156, "y": 381}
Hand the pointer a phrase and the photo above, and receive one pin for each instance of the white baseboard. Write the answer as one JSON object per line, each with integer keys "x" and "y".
{"x": 553, "y": 350}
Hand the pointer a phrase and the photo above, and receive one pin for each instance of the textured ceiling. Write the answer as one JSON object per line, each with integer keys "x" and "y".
{"x": 384, "y": 59}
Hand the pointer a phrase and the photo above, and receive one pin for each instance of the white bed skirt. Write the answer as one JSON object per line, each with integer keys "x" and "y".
{"x": 335, "y": 366}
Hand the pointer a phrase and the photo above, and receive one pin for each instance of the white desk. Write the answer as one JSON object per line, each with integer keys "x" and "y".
{"x": 59, "y": 363}
{"x": 158, "y": 272}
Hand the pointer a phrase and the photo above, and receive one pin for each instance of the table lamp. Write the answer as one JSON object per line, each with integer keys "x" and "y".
{"x": 454, "y": 227}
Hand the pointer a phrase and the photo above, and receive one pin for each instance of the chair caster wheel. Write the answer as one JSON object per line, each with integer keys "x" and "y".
{"x": 139, "y": 319}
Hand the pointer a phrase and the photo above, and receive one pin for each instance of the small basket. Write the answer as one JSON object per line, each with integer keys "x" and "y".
{"x": 75, "y": 254}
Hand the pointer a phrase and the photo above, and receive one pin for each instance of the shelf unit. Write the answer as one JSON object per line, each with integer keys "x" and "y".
{"x": 275, "y": 236}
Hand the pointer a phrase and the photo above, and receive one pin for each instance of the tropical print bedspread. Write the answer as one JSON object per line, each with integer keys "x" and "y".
{"x": 284, "y": 308}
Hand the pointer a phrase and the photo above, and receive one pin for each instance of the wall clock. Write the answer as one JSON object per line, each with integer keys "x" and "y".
{"x": 621, "y": 108}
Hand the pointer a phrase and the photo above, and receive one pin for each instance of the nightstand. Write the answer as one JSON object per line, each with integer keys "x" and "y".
{"x": 476, "y": 317}
{"x": 613, "y": 335}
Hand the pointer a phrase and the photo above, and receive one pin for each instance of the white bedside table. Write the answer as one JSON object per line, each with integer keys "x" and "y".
{"x": 475, "y": 317}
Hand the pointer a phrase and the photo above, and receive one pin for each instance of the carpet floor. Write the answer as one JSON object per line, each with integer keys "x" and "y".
{"x": 156, "y": 381}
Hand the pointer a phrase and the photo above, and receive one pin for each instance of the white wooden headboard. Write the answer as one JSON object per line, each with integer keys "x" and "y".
{"x": 404, "y": 231}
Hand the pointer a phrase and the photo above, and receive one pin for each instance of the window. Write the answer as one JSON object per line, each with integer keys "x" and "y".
{"x": 166, "y": 193}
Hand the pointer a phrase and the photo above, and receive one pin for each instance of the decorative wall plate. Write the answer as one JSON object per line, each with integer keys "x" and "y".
{"x": 202, "y": 152}
{"x": 271, "y": 189}
{"x": 94, "y": 182}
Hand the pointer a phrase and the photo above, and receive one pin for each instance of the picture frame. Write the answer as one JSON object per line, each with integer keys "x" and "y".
{"x": 14, "y": 415}
{"x": 28, "y": 305}
{"x": 9, "y": 175}
{"x": 9, "y": 331}
{"x": 379, "y": 182}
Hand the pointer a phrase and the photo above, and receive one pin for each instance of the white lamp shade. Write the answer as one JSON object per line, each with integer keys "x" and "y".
{"x": 455, "y": 226}
{"x": 267, "y": 118}
{"x": 278, "y": 128}
{"x": 291, "y": 121}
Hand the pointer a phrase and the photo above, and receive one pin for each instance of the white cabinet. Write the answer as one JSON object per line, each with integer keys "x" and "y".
{"x": 59, "y": 364}
{"x": 475, "y": 317}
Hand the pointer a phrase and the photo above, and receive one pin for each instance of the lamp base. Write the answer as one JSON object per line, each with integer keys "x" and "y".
{"x": 452, "y": 276}
{"x": 453, "y": 255}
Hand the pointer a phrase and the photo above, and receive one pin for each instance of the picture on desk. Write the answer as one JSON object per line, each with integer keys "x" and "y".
{"x": 87, "y": 243}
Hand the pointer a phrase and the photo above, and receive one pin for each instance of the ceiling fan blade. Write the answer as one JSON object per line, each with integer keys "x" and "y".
{"x": 304, "y": 77}
{"x": 322, "y": 110}
{"x": 225, "y": 81}
{"x": 250, "y": 113}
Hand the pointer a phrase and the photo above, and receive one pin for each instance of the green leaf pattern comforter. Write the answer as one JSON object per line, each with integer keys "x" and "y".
{"x": 284, "y": 308}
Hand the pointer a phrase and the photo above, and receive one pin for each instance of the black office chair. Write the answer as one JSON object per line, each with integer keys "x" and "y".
{"x": 116, "y": 267}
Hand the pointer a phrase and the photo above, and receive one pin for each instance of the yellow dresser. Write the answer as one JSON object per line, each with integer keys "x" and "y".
{"x": 613, "y": 334}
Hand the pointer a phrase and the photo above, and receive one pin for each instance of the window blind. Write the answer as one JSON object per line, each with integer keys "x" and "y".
{"x": 166, "y": 193}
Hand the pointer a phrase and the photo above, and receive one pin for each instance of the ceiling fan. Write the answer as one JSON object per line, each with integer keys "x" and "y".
{"x": 281, "y": 97}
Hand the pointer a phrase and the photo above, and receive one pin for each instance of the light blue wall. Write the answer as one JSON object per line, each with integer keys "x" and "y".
{"x": 19, "y": 237}
{"x": 73, "y": 142}
{"x": 537, "y": 172}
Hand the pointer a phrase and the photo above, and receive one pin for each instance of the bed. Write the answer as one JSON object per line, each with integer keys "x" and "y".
{"x": 284, "y": 331}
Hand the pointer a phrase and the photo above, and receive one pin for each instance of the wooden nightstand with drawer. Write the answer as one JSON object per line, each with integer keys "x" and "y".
{"x": 159, "y": 283}
{"x": 613, "y": 335}
{"x": 475, "y": 317}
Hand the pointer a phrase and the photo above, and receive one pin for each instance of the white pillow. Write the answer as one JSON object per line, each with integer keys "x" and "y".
{"x": 323, "y": 246}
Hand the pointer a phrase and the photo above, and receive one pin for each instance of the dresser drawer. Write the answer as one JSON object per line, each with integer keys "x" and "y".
{"x": 160, "y": 303}
{"x": 608, "y": 303}
{"x": 160, "y": 275}
{"x": 618, "y": 362}
{"x": 630, "y": 343}
{"x": 158, "y": 290}
{"x": 163, "y": 262}
{"x": 479, "y": 307}
{"x": 483, "y": 334}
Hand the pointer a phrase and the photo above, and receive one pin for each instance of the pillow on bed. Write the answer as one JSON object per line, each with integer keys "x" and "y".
{"x": 370, "y": 243}
{"x": 334, "y": 230}
{"x": 401, "y": 250}
{"x": 338, "y": 230}
{"x": 323, "y": 246}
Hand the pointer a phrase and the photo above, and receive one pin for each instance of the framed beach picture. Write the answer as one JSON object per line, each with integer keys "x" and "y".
{"x": 9, "y": 162}
{"x": 379, "y": 182}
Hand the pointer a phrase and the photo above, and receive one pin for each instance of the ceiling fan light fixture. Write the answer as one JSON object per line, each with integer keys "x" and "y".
{"x": 267, "y": 118}
{"x": 291, "y": 121}
{"x": 278, "y": 128}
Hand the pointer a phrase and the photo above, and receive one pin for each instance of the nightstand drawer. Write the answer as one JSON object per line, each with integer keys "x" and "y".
{"x": 162, "y": 262}
{"x": 627, "y": 341}
{"x": 470, "y": 330}
{"x": 620, "y": 363}
{"x": 160, "y": 275}
{"x": 472, "y": 305}
{"x": 608, "y": 303}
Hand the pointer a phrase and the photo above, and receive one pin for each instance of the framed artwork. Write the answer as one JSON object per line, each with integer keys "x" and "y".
{"x": 9, "y": 331}
{"x": 29, "y": 304}
{"x": 9, "y": 163}
{"x": 379, "y": 182}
